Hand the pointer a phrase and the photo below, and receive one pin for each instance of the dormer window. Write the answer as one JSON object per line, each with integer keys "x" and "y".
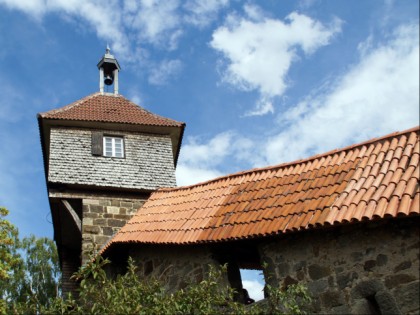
{"x": 107, "y": 145}
{"x": 113, "y": 146}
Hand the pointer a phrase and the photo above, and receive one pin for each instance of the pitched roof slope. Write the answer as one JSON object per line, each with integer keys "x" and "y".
{"x": 102, "y": 107}
{"x": 372, "y": 180}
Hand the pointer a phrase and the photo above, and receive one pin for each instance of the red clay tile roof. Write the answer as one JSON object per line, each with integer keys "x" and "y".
{"x": 373, "y": 180}
{"x": 109, "y": 108}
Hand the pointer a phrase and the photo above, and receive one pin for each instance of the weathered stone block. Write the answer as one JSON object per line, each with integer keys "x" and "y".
{"x": 407, "y": 296}
{"x": 317, "y": 287}
{"x": 137, "y": 205}
{"x": 108, "y": 231}
{"x": 394, "y": 280}
{"x": 86, "y": 208}
{"x": 366, "y": 288}
{"x": 122, "y": 217}
{"x": 331, "y": 299}
{"x": 345, "y": 279}
{"x": 126, "y": 204}
{"x": 402, "y": 266}
{"x": 115, "y": 203}
{"x": 96, "y": 209}
{"x": 104, "y": 202}
{"x": 91, "y": 201}
{"x": 101, "y": 239}
{"x": 92, "y": 229}
{"x": 381, "y": 260}
{"x": 100, "y": 222}
{"x": 114, "y": 222}
{"x": 87, "y": 221}
{"x": 387, "y": 303}
{"x": 369, "y": 265}
{"x": 300, "y": 265}
{"x": 113, "y": 210}
{"x": 340, "y": 310}
{"x": 317, "y": 272}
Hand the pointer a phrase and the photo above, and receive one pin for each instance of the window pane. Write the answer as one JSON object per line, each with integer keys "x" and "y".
{"x": 113, "y": 146}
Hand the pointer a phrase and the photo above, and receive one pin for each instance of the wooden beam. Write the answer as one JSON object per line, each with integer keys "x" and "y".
{"x": 73, "y": 214}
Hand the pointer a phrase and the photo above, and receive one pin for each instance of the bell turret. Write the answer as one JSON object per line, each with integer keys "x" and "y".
{"x": 108, "y": 71}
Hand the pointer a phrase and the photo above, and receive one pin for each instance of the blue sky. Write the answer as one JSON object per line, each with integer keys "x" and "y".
{"x": 257, "y": 82}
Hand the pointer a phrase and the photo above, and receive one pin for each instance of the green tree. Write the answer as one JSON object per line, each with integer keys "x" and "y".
{"x": 29, "y": 269}
{"x": 9, "y": 241}
{"x": 9, "y": 258}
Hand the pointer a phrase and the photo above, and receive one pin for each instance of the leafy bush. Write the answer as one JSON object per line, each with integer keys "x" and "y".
{"x": 128, "y": 294}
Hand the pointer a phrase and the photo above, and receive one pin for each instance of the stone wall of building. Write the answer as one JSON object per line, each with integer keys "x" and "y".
{"x": 176, "y": 266}
{"x": 102, "y": 218}
{"x": 355, "y": 269}
{"x": 148, "y": 163}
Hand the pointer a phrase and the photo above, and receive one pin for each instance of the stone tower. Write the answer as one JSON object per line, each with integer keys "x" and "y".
{"x": 103, "y": 156}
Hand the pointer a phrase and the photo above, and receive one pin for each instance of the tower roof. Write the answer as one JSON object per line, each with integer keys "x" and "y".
{"x": 110, "y": 108}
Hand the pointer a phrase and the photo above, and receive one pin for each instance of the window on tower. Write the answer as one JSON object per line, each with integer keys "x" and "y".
{"x": 107, "y": 145}
{"x": 113, "y": 146}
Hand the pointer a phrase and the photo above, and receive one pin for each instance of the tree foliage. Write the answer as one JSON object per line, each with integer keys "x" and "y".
{"x": 29, "y": 269}
{"x": 8, "y": 244}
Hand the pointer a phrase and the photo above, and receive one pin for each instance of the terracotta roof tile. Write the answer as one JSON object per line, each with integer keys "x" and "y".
{"x": 369, "y": 181}
{"x": 102, "y": 107}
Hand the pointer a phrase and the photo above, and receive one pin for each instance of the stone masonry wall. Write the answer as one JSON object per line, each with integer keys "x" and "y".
{"x": 148, "y": 162}
{"x": 357, "y": 269}
{"x": 102, "y": 218}
{"x": 174, "y": 265}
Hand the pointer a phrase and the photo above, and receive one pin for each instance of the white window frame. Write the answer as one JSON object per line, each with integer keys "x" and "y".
{"x": 111, "y": 148}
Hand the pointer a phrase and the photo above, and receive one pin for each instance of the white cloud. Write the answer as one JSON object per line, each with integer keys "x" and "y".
{"x": 202, "y": 160}
{"x": 202, "y": 13}
{"x": 199, "y": 159}
{"x": 262, "y": 107}
{"x": 159, "y": 75}
{"x": 196, "y": 152}
{"x": 12, "y": 103}
{"x": 188, "y": 175}
{"x": 378, "y": 95}
{"x": 106, "y": 20}
{"x": 254, "y": 288}
{"x": 259, "y": 53}
{"x": 155, "y": 21}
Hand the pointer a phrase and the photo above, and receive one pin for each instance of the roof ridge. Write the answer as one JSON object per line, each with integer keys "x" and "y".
{"x": 296, "y": 162}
